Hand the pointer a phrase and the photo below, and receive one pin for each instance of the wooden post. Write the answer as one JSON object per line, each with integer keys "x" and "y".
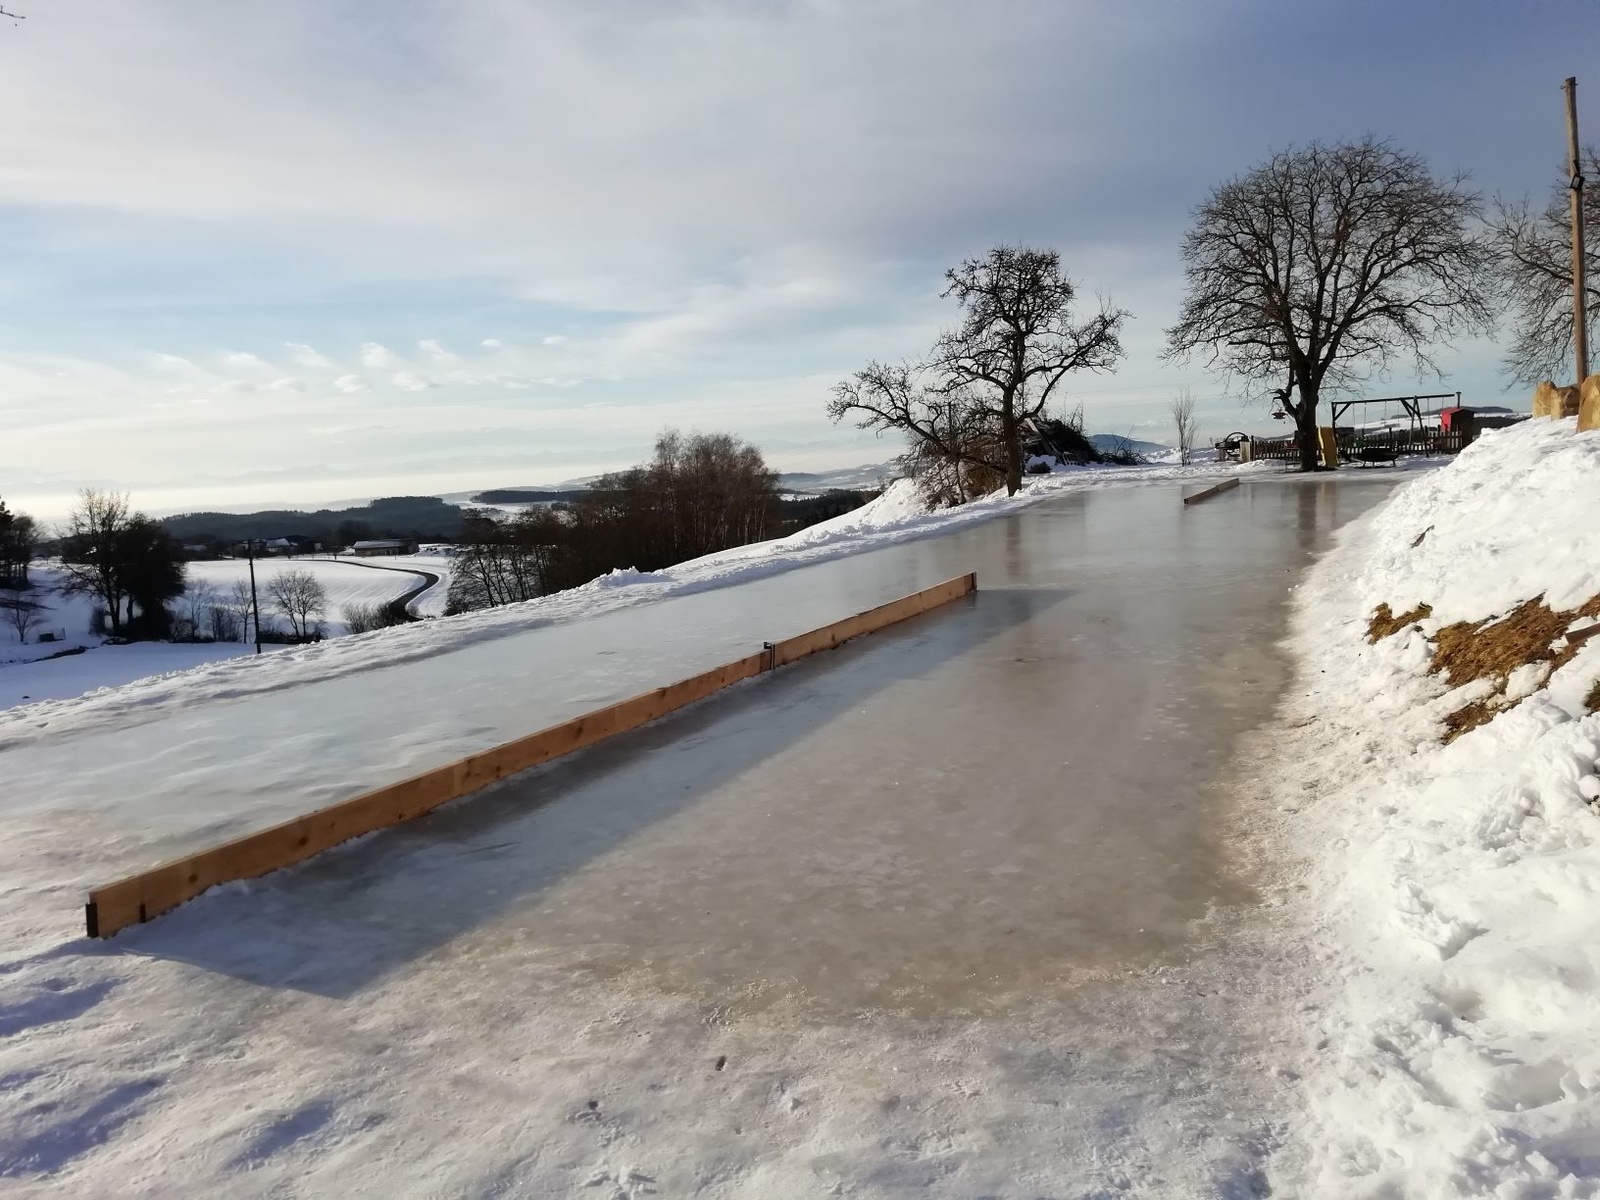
{"x": 1580, "y": 322}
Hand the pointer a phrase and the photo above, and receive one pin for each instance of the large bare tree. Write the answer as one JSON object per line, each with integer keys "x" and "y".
{"x": 1327, "y": 262}
{"x": 1534, "y": 257}
{"x": 299, "y": 596}
{"x": 996, "y": 370}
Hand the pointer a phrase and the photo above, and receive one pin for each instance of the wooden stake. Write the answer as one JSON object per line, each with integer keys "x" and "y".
{"x": 1580, "y": 322}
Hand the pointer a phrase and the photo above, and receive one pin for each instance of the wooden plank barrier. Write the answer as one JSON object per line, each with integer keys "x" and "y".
{"x": 1217, "y": 489}
{"x": 147, "y": 895}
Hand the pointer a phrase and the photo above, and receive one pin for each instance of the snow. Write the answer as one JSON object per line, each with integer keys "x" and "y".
{"x": 100, "y": 670}
{"x": 347, "y": 581}
{"x": 896, "y": 516}
{"x": 1449, "y": 891}
{"x": 37, "y": 671}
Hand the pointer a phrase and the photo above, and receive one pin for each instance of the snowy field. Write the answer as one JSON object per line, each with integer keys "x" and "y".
{"x": 30, "y": 673}
{"x": 347, "y": 581}
{"x": 1453, "y": 1037}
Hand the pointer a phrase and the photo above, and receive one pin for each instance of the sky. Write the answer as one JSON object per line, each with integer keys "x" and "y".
{"x": 316, "y": 250}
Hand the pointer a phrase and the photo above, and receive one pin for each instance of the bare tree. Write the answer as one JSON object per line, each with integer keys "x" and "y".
{"x": 199, "y": 598}
{"x": 1533, "y": 252}
{"x": 1328, "y": 261}
{"x": 301, "y": 598}
{"x": 998, "y": 369}
{"x": 90, "y": 561}
{"x": 237, "y": 604}
{"x": 20, "y": 612}
{"x": 1182, "y": 409}
{"x": 125, "y": 560}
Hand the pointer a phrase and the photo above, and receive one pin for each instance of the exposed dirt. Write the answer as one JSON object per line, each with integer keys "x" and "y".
{"x": 1384, "y": 622}
{"x": 1467, "y": 651}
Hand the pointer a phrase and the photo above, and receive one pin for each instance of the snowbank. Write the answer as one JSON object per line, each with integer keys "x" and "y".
{"x": 894, "y": 517}
{"x": 1455, "y": 884}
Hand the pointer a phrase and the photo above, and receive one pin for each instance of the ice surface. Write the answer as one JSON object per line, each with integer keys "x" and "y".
{"x": 947, "y": 912}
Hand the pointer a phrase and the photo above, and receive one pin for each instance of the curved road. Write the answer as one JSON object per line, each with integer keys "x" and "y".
{"x": 399, "y": 609}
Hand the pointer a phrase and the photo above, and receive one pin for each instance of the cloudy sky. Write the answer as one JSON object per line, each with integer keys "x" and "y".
{"x": 307, "y": 251}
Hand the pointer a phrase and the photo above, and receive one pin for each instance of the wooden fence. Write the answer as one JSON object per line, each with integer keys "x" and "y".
{"x": 1351, "y": 442}
{"x": 150, "y": 893}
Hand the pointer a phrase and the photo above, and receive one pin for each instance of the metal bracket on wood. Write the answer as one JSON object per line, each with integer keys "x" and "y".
{"x": 769, "y": 656}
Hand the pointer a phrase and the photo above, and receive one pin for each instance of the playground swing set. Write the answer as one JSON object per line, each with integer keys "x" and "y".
{"x": 1398, "y": 425}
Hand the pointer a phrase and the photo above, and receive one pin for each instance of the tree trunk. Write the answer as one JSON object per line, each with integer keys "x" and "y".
{"x": 1306, "y": 428}
{"x": 1013, "y": 439}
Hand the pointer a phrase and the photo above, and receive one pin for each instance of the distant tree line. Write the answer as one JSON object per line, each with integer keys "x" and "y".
{"x": 697, "y": 495}
{"x": 416, "y": 518}
{"x": 18, "y": 536}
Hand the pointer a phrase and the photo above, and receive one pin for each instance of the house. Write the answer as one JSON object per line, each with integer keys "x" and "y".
{"x": 371, "y": 549}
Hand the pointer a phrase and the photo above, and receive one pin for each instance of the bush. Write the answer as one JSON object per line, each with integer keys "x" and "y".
{"x": 364, "y": 618}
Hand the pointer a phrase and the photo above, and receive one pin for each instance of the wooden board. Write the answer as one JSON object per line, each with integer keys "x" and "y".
{"x": 150, "y": 893}
{"x": 1214, "y": 490}
{"x": 903, "y": 609}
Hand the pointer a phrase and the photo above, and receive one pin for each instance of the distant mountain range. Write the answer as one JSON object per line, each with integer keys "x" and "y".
{"x": 1112, "y": 441}
{"x": 868, "y": 478}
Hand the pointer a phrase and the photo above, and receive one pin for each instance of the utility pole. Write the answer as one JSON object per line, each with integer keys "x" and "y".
{"x": 255, "y": 607}
{"x": 1580, "y": 322}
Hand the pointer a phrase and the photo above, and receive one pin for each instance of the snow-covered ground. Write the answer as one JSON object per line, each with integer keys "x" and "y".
{"x": 1451, "y": 891}
{"x": 347, "y": 581}
{"x": 897, "y": 515}
{"x": 37, "y": 671}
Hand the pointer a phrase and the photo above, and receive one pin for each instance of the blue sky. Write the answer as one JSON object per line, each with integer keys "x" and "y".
{"x": 302, "y": 252}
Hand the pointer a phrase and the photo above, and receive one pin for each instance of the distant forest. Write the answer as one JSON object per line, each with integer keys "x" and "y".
{"x": 419, "y": 518}
{"x": 430, "y": 519}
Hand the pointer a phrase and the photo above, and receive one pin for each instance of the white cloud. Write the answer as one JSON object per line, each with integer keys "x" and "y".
{"x": 241, "y": 361}
{"x": 378, "y": 356}
{"x": 351, "y": 384}
{"x": 412, "y": 381}
{"x": 555, "y": 339}
{"x": 176, "y": 364}
{"x": 287, "y": 385}
{"x": 436, "y": 351}
{"x": 492, "y": 344}
{"x": 307, "y": 356}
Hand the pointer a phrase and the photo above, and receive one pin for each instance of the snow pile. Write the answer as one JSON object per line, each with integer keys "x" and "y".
{"x": 1458, "y": 883}
{"x": 897, "y": 516}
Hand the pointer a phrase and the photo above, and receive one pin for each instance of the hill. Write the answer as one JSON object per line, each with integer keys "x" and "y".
{"x": 422, "y": 518}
